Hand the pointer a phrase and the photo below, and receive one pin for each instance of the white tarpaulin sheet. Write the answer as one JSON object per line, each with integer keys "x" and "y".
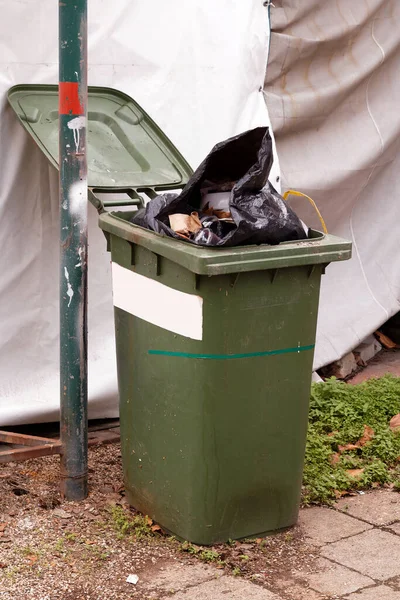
{"x": 333, "y": 95}
{"x": 197, "y": 68}
{"x": 333, "y": 92}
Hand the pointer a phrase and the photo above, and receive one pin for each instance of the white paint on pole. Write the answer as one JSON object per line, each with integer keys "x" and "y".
{"x": 76, "y": 125}
{"x": 70, "y": 291}
{"x": 78, "y": 198}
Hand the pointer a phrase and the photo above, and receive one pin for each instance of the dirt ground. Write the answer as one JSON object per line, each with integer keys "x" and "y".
{"x": 50, "y": 549}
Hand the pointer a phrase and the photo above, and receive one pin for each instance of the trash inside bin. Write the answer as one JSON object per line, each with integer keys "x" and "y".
{"x": 254, "y": 212}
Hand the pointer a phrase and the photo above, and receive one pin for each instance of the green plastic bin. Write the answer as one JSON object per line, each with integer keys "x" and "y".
{"x": 214, "y": 351}
{"x": 214, "y": 346}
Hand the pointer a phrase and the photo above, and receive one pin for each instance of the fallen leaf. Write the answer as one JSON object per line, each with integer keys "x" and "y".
{"x": 3, "y": 526}
{"x": 156, "y": 528}
{"x": 395, "y": 422}
{"x": 259, "y": 540}
{"x": 332, "y": 433}
{"x": 31, "y": 473}
{"x": 367, "y": 436}
{"x": 340, "y": 493}
{"x": 342, "y": 449}
{"x": 355, "y": 473}
{"x": 32, "y": 558}
{"x": 3, "y": 565}
{"x": 61, "y": 514}
{"x": 335, "y": 458}
{"x": 149, "y": 521}
{"x": 385, "y": 340}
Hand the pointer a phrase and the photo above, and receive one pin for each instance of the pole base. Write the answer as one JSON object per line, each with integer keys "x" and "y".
{"x": 74, "y": 488}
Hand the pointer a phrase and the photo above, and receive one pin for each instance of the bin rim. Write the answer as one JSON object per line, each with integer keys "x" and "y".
{"x": 320, "y": 248}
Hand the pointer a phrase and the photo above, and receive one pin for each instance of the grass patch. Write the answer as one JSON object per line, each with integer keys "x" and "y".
{"x": 124, "y": 523}
{"x": 204, "y": 554}
{"x": 339, "y": 415}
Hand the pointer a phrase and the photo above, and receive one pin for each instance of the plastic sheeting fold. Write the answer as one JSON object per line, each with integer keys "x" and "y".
{"x": 333, "y": 94}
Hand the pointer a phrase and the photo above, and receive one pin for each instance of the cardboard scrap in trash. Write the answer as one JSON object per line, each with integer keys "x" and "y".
{"x": 224, "y": 215}
{"x": 185, "y": 224}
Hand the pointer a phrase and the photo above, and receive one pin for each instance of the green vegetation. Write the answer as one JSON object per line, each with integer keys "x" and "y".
{"x": 205, "y": 554}
{"x": 125, "y": 523}
{"x": 350, "y": 444}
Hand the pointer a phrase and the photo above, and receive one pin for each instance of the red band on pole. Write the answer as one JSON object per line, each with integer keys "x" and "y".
{"x": 69, "y": 103}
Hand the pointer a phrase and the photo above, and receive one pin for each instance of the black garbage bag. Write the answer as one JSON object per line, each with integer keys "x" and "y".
{"x": 259, "y": 213}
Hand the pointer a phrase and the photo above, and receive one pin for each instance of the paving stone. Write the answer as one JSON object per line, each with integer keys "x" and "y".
{"x": 176, "y": 577}
{"x": 322, "y": 525}
{"x": 381, "y": 592}
{"x": 295, "y": 591}
{"x": 334, "y": 579}
{"x": 226, "y": 588}
{"x": 380, "y": 507}
{"x": 375, "y": 553}
{"x": 395, "y": 528}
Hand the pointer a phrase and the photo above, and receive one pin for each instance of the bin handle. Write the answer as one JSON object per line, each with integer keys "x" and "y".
{"x": 295, "y": 193}
{"x": 134, "y": 198}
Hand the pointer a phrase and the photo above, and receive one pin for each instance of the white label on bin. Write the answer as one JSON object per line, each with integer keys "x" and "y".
{"x": 157, "y": 303}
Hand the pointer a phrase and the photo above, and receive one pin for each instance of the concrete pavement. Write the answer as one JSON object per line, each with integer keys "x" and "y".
{"x": 357, "y": 544}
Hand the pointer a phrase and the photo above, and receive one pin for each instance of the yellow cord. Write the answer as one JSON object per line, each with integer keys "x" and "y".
{"x": 294, "y": 193}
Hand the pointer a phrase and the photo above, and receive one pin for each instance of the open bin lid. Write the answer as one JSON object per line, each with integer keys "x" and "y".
{"x": 126, "y": 149}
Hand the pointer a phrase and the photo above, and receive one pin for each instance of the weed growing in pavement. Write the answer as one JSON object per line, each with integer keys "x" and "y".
{"x": 205, "y": 554}
{"x": 28, "y": 551}
{"x": 12, "y": 571}
{"x": 339, "y": 414}
{"x": 126, "y": 524}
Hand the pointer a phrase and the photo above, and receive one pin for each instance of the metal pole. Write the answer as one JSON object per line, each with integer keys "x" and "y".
{"x": 73, "y": 258}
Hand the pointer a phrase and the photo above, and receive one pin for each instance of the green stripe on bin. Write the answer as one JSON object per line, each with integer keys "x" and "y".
{"x": 232, "y": 356}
